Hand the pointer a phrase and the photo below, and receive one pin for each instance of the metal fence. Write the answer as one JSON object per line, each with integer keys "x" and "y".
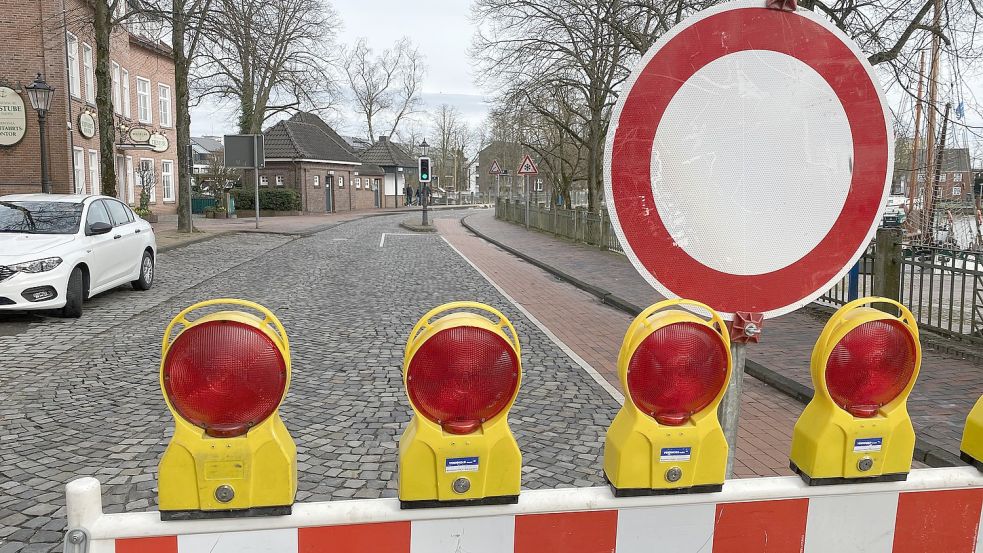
{"x": 579, "y": 225}
{"x": 943, "y": 287}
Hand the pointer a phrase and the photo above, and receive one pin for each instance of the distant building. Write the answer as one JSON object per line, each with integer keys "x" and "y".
{"x": 955, "y": 177}
{"x": 206, "y": 151}
{"x": 396, "y": 164}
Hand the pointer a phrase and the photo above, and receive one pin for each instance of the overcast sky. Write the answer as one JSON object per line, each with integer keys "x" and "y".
{"x": 444, "y": 42}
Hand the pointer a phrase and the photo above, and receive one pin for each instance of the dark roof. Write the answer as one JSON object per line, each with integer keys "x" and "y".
{"x": 370, "y": 169}
{"x": 293, "y": 139}
{"x": 208, "y": 143}
{"x": 953, "y": 159}
{"x": 386, "y": 153}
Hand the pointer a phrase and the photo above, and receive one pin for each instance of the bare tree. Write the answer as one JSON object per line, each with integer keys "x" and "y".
{"x": 384, "y": 84}
{"x": 268, "y": 56}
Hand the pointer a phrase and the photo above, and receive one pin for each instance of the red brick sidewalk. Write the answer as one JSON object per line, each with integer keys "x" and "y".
{"x": 767, "y": 416}
{"x": 946, "y": 390}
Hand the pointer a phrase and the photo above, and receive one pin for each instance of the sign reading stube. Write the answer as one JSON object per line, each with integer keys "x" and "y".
{"x": 13, "y": 118}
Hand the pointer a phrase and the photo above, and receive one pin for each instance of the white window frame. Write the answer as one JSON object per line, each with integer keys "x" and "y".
{"x": 942, "y": 177}
{"x": 143, "y": 102}
{"x": 341, "y": 181}
{"x": 167, "y": 179}
{"x": 264, "y": 180}
{"x": 131, "y": 191}
{"x": 90, "y": 76}
{"x": 78, "y": 165}
{"x": 957, "y": 190}
{"x": 74, "y": 79}
{"x": 153, "y": 169}
{"x": 958, "y": 177}
{"x": 126, "y": 92}
{"x": 358, "y": 182}
{"x": 96, "y": 185}
{"x": 317, "y": 181}
{"x": 163, "y": 102}
{"x": 115, "y": 71}
{"x": 279, "y": 181}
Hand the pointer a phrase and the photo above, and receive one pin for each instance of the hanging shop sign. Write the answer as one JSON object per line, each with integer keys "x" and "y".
{"x": 13, "y": 117}
{"x": 139, "y": 135}
{"x": 159, "y": 142}
{"x": 87, "y": 125}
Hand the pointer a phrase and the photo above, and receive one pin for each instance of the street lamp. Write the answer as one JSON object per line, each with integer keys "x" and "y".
{"x": 425, "y": 147}
{"x": 41, "y": 93}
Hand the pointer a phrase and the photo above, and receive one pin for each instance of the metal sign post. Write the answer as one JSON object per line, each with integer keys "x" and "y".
{"x": 526, "y": 168}
{"x": 246, "y": 151}
{"x": 256, "y": 179}
{"x": 755, "y": 248}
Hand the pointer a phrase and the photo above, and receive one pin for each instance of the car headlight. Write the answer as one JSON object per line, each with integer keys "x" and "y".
{"x": 37, "y": 266}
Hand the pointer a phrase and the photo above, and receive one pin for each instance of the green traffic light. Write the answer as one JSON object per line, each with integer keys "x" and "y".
{"x": 423, "y": 176}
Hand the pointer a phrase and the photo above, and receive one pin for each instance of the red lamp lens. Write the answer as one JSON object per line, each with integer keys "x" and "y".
{"x": 871, "y": 366}
{"x": 461, "y": 377}
{"x": 224, "y": 377}
{"x": 677, "y": 371}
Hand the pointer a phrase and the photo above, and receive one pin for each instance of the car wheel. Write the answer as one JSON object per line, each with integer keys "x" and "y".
{"x": 74, "y": 295}
{"x": 146, "y": 279}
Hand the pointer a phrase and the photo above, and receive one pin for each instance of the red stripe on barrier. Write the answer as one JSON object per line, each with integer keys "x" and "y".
{"x": 946, "y": 520}
{"x": 384, "y": 537}
{"x": 760, "y": 526}
{"x": 162, "y": 544}
{"x": 580, "y": 532}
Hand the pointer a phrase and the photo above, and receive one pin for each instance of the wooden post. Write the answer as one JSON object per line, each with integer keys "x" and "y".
{"x": 887, "y": 263}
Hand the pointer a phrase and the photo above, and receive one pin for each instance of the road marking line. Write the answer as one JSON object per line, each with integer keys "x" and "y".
{"x": 611, "y": 390}
{"x": 382, "y": 242}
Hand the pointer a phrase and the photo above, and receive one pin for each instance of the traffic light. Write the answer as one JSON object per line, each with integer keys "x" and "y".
{"x": 666, "y": 438}
{"x": 971, "y": 447}
{"x": 462, "y": 374}
{"x": 857, "y": 426}
{"x": 424, "y": 169}
{"x": 224, "y": 376}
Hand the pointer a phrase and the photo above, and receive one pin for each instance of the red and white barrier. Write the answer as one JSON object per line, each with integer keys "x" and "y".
{"x": 934, "y": 510}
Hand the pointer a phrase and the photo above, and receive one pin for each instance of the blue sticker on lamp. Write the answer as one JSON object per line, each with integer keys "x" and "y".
{"x": 461, "y": 464}
{"x": 867, "y": 444}
{"x": 671, "y": 454}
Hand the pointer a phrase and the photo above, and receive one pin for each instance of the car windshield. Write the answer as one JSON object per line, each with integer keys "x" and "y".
{"x": 40, "y": 217}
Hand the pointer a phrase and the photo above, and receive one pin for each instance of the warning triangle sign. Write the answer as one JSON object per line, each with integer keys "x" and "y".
{"x": 527, "y": 167}
{"x": 495, "y": 168}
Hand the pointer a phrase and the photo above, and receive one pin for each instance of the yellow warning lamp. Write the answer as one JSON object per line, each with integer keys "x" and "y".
{"x": 462, "y": 374}
{"x": 971, "y": 448}
{"x": 666, "y": 438}
{"x": 224, "y": 376}
{"x": 857, "y": 427}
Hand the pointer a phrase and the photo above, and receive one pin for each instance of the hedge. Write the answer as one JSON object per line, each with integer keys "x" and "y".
{"x": 276, "y": 199}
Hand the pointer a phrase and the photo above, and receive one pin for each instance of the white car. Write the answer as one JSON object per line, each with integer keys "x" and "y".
{"x": 58, "y": 250}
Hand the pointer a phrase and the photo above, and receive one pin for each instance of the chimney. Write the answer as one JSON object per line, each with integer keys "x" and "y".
{"x": 382, "y": 138}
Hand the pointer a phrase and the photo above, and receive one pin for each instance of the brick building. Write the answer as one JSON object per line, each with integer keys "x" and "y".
{"x": 396, "y": 164}
{"x": 304, "y": 153}
{"x": 55, "y": 38}
{"x": 955, "y": 176}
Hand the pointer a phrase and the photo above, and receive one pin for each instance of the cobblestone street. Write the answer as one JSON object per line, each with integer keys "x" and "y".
{"x": 81, "y": 397}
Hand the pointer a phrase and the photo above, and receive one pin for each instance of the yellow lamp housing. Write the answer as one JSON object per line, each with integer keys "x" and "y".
{"x": 857, "y": 428}
{"x": 462, "y": 373}
{"x": 971, "y": 447}
{"x": 224, "y": 376}
{"x": 674, "y": 367}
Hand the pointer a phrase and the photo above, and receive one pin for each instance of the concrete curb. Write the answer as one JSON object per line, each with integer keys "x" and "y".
{"x": 929, "y": 454}
{"x": 207, "y": 237}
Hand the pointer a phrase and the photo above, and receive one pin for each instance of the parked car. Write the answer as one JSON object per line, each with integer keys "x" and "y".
{"x": 57, "y": 250}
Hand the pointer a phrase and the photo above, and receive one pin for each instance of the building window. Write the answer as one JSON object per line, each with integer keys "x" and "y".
{"x": 94, "y": 172}
{"x": 129, "y": 179}
{"x": 167, "y": 179}
{"x": 126, "y": 93}
{"x": 958, "y": 177}
{"x": 116, "y": 96}
{"x": 78, "y": 162}
{"x": 921, "y": 177}
{"x": 279, "y": 180}
{"x": 90, "y": 78}
{"x": 358, "y": 182}
{"x": 957, "y": 190}
{"x": 539, "y": 185}
{"x": 143, "y": 101}
{"x": 375, "y": 184}
{"x": 164, "y": 99}
{"x": 317, "y": 181}
{"x": 264, "y": 181}
{"x": 942, "y": 177}
{"x": 341, "y": 182}
{"x": 74, "y": 83}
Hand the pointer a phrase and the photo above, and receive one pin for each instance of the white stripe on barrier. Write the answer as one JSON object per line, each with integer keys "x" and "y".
{"x": 474, "y": 535}
{"x": 675, "y": 528}
{"x": 864, "y": 523}
{"x": 256, "y": 541}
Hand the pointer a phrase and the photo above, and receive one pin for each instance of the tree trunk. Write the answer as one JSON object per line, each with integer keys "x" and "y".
{"x": 183, "y": 123}
{"x": 103, "y": 28}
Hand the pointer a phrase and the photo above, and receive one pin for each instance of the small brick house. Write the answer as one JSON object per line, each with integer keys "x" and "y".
{"x": 396, "y": 164}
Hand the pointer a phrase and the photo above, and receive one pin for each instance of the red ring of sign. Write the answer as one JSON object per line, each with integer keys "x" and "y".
{"x": 694, "y": 47}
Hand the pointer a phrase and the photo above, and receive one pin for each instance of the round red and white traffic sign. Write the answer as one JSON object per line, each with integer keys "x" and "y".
{"x": 749, "y": 159}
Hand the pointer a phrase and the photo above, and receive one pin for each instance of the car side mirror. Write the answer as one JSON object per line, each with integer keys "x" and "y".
{"x": 99, "y": 228}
